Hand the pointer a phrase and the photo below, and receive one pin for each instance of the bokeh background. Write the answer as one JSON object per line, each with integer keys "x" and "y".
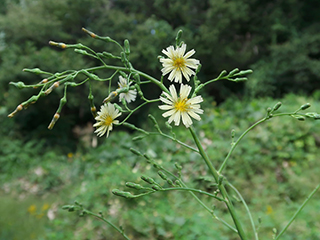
{"x": 276, "y": 166}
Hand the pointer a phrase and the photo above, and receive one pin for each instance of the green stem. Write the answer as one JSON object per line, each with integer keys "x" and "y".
{"x": 152, "y": 79}
{"x": 298, "y": 211}
{"x": 108, "y": 222}
{"x": 247, "y": 209}
{"x": 222, "y": 189}
{"x": 223, "y": 165}
{"x": 199, "y": 201}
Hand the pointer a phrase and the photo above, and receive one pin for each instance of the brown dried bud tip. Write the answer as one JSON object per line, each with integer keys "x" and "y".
{"x": 89, "y": 32}
{"x": 18, "y": 109}
{"x": 94, "y": 111}
{"x": 44, "y": 81}
{"x": 56, "y": 84}
{"x": 61, "y": 45}
{"x": 54, "y": 120}
{"x": 111, "y": 96}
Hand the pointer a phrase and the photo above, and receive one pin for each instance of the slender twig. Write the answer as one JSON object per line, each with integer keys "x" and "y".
{"x": 247, "y": 209}
{"x": 108, "y": 222}
{"x": 298, "y": 211}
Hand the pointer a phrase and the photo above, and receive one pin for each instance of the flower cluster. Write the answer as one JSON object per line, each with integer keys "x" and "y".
{"x": 179, "y": 107}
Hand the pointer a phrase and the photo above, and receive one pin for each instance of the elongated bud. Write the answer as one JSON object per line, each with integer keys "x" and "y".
{"x": 134, "y": 185}
{"x": 178, "y": 37}
{"x": 94, "y": 111}
{"x": 137, "y": 138}
{"x": 111, "y": 96}
{"x": 126, "y": 47}
{"x": 240, "y": 79}
{"x": 170, "y": 182}
{"x": 178, "y": 166}
{"x": 234, "y": 71}
{"x": 19, "y": 85}
{"x": 136, "y": 152}
{"x": 277, "y": 106}
{"x": 156, "y": 187}
{"x": 120, "y": 193}
{"x": 305, "y": 106}
{"x": 54, "y": 120}
{"x": 60, "y": 45}
{"x": 18, "y": 109}
{"x": 148, "y": 179}
{"x": 93, "y": 35}
{"x": 244, "y": 72}
{"x": 53, "y": 86}
{"x": 109, "y": 55}
{"x": 162, "y": 175}
{"x": 300, "y": 118}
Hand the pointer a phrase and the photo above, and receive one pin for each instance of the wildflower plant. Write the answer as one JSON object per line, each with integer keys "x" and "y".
{"x": 181, "y": 103}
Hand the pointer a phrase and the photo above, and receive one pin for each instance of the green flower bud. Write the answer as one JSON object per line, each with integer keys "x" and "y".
{"x": 277, "y": 106}
{"x": 120, "y": 193}
{"x": 19, "y": 85}
{"x": 178, "y": 37}
{"x": 136, "y": 152}
{"x": 305, "y": 106}
{"x": 137, "y": 138}
{"x": 134, "y": 185}
{"x": 233, "y": 71}
{"x": 126, "y": 47}
{"x": 300, "y": 118}
{"x": 178, "y": 166}
{"x": 148, "y": 179}
{"x": 170, "y": 182}
{"x": 156, "y": 187}
{"x": 162, "y": 175}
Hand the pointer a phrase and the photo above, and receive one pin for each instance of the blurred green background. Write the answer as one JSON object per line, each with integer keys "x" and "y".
{"x": 276, "y": 166}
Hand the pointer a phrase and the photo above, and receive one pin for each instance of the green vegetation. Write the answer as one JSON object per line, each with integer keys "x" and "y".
{"x": 276, "y": 166}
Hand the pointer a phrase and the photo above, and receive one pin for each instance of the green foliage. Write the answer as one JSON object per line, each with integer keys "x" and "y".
{"x": 275, "y": 166}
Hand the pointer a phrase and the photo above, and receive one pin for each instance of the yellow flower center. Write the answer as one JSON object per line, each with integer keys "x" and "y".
{"x": 179, "y": 62}
{"x": 181, "y": 105}
{"x": 108, "y": 121}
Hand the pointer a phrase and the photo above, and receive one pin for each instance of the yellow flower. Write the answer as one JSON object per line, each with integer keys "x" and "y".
{"x": 32, "y": 209}
{"x": 178, "y": 63}
{"x": 45, "y": 207}
{"x": 181, "y": 107}
{"x": 106, "y": 119}
{"x": 269, "y": 210}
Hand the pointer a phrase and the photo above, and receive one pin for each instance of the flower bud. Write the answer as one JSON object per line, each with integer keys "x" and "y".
{"x": 148, "y": 179}
{"x": 134, "y": 185}
{"x": 178, "y": 166}
{"x": 277, "y": 106}
{"x": 300, "y": 118}
{"x": 54, "y": 120}
{"x": 305, "y": 106}
{"x": 120, "y": 193}
{"x": 111, "y": 96}
{"x": 126, "y": 47}
{"x": 156, "y": 187}
{"x": 162, "y": 175}
{"x": 136, "y": 152}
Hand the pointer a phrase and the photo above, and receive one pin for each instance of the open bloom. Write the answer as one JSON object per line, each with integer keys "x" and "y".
{"x": 106, "y": 117}
{"x": 181, "y": 106}
{"x": 178, "y": 63}
{"x": 129, "y": 96}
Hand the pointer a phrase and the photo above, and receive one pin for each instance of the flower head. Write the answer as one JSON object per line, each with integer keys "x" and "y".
{"x": 178, "y": 63}
{"x": 106, "y": 117}
{"x": 129, "y": 96}
{"x": 181, "y": 106}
